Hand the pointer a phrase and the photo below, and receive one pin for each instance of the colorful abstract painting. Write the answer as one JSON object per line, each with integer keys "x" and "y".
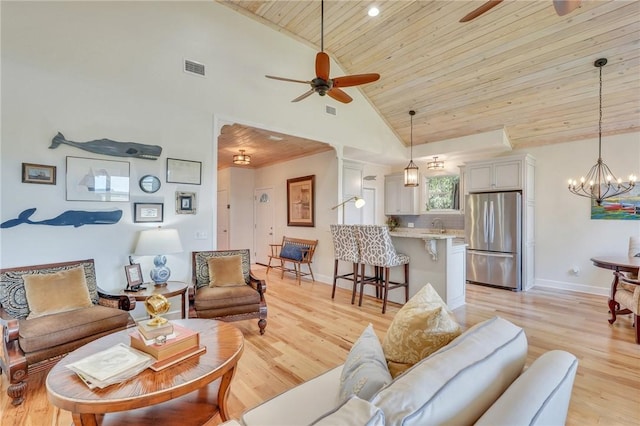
{"x": 624, "y": 207}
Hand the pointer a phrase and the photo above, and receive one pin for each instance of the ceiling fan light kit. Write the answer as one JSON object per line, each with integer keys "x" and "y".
{"x": 411, "y": 172}
{"x": 600, "y": 183}
{"x": 242, "y": 158}
{"x": 322, "y": 84}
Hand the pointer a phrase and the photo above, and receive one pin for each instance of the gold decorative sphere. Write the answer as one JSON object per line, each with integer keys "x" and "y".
{"x": 157, "y": 305}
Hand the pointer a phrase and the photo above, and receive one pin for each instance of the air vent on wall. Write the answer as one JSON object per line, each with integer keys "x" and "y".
{"x": 331, "y": 110}
{"x": 193, "y": 67}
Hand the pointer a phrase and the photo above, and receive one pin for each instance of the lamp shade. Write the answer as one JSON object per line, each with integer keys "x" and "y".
{"x": 158, "y": 241}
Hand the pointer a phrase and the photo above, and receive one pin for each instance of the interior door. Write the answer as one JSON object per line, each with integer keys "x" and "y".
{"x": 263, "y": 230}
{"x": 223, "y": 221}
{"x": 369, "y": 208}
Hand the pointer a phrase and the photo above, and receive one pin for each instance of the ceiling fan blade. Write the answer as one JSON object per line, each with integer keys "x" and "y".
{"x": 287, "y": 79}
{"x": 354, "y": 80}
{"x": 339, "y": 95}
{"x": 322, "y": 66}
{"x": 565, "y": 6}
{"x": 479, "y": 11}
{"x": 304, "y": 95}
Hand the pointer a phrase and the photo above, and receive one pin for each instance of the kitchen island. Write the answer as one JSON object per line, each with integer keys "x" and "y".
{"x": 439, "y": 259}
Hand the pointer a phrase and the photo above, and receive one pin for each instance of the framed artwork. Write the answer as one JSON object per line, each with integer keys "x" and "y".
{"x": 186, "y": 202}
{"x": 184, "y": 171}
{"x": 301, "y": 201}
{"x": 148, "y": 212}
{"x": 38, "y": 173}
{"x": 89, "y": 179}
{"x": 134, "y": 276}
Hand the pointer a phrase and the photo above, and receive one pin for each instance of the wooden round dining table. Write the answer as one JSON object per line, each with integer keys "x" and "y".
{"x": 616, "y": 264}
{"x": 190, "y": 392}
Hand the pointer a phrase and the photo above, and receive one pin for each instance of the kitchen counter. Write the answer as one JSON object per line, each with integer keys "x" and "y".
{"x": 436, "y": 258}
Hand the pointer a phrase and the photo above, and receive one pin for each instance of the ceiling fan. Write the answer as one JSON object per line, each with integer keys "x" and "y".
{"x": 322, "y": 84}
{"x": 562, "y": 8}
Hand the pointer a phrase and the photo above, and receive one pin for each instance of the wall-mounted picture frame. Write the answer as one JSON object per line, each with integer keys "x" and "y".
{"x": 149, "y": 184}
{"x": 148, "y": 212}
{"x": 90, "y": 179}
{"x": 184, "y": 171}
{"x": 301, "y": 201}
{"x": 38, "y": 173}
{"x": 134, "y": 277}
{"x": 185, "y": 202}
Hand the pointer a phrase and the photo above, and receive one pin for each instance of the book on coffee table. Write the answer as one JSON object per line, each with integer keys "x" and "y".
{"x": 185, "y": 339}
{"x": 180, "y": 356}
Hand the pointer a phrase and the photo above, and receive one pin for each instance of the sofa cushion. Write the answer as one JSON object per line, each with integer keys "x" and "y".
{"x": 225, "y": 271}
{"x": 56, "y": 292}
{"x": 57, "y": 329}
{"x": 365, "y": 370}
{"x": 354, "y": 411}
{"x": 422, "y": 326}
{"x": 222, "y": 297}
{"x": 540, "y": 396}
{"x": 459, "y": 382}
{"x": 299, "y": 405}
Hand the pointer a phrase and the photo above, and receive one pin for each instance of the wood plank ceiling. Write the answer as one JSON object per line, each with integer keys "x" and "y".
{"x": 519, "y": 66}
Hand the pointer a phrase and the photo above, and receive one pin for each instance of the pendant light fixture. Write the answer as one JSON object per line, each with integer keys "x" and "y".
{"x": 411, "y": 171}
{"x": 242, "y": 158}
{"x": 435, "y": 164}
{"x": 600, "y": 183}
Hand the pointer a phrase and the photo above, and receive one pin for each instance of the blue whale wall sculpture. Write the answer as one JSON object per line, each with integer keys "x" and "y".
{"x": 75, "y": 218}
{"x": 113, "y": 148}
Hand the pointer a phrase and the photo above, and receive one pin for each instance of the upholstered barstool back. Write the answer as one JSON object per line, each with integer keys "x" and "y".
{"x": 376, "y": 249}
{"x": 345, "y": 249}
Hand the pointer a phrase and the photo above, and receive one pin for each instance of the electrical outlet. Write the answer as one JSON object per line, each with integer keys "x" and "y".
{"x": 410, "y": 224}
{"x": 201, "y": 235}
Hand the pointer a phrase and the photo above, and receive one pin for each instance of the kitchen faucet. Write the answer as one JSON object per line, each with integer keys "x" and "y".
{"x": 438, "y": 220}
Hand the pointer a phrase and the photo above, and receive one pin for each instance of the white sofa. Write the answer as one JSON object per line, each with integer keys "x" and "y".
{"x": 478, "y": 378}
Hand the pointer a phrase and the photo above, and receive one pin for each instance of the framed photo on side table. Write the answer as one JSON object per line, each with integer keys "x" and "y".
{"x": 301, "y": 201}
{"x": 134, "y": 277}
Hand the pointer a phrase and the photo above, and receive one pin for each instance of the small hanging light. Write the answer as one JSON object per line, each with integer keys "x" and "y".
{"x": 435, "y": 164}
{"x": 600, "y": 183}
{"x": 411, "y": 171}
{"x": 242, "y": 158}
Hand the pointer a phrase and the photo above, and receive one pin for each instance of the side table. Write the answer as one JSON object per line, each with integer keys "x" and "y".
{"x": 173, "y": 288}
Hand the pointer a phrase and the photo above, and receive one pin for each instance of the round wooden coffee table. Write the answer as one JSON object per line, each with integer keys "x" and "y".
{"x": 188, "y": 393}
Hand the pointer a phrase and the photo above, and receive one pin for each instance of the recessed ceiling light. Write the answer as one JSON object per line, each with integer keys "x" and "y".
{"x": 373, "y": 11}
{"x": 274, "y": 138}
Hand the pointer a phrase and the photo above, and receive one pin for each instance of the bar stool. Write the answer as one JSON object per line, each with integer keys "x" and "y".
{"x": 345, "y": 249}
{"x": 377, "y": 250}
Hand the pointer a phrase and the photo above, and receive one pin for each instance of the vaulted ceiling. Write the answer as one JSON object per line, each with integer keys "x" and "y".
{"x": 519, "y": 66}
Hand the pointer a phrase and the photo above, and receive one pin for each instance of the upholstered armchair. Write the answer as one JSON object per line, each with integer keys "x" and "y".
{"x": 224, "y": 287}
{"x": 47, "y": 311}
{"x": 626, "y": 295}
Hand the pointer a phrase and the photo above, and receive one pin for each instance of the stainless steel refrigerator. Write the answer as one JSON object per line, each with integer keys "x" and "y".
{"x": 493, "y": 228}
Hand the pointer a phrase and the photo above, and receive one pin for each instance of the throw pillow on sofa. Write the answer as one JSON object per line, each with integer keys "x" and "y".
{"x": 56, "y": 292}
{"x": 422, "y": 326}
{"x": 365, "y": 370}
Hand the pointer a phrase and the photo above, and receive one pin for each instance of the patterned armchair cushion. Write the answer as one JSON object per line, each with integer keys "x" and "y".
{"x": 345, "y": 246}
{"x": 201, "y": 264}
{"x": 290, "y": 251}
{"x": 12, "y": 292}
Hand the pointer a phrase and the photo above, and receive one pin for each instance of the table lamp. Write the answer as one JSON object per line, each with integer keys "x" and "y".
{"x": 158, "y": 242}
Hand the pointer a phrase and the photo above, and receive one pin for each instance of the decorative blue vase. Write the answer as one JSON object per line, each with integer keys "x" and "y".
{"x": 161, "y": 273}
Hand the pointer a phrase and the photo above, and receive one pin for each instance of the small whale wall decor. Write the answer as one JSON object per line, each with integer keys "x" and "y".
{"x": 75, "y": 218}
{"x": 113, "y": 148}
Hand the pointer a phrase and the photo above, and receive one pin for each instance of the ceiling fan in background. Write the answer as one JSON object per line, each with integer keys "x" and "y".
{"x": 322, "y": 84}
{"x": 562, "y": 8}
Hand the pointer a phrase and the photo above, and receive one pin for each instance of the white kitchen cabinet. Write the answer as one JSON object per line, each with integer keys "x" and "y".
{"x": 494, "y": 176}
{"x": 400, "y": 199}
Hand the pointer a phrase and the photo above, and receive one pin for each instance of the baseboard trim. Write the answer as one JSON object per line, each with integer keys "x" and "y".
{"x": 581, "y": 288}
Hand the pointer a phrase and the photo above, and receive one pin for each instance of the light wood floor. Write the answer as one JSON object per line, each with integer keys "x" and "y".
{"x": 308, "y": 333}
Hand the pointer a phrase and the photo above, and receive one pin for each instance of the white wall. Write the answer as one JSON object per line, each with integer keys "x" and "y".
{"x": 114, "y": 70}
{"x": 565, "y": 234}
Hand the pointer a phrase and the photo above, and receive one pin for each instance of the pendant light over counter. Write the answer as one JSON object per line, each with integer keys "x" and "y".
{"x": 411, "y": 172}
